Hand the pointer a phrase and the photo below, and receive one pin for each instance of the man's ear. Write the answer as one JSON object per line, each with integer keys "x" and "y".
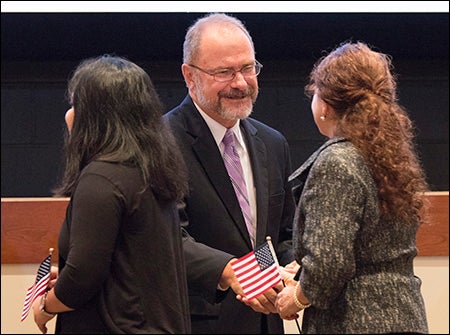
{"x": 187, "y": 72}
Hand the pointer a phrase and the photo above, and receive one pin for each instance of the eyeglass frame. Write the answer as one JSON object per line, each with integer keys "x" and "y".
{"x": 258, "y": 66}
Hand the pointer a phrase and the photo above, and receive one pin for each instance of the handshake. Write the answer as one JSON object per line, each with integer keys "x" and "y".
{"x": 284, "y": 298}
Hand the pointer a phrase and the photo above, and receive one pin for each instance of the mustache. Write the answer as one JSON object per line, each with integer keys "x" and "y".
{"x": 236, "y": 93}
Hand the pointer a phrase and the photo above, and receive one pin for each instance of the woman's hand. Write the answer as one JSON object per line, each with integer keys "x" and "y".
{"x": 53, "y": 277}
{"x": 40, "y": 316}
{"x": 285, "y": 304}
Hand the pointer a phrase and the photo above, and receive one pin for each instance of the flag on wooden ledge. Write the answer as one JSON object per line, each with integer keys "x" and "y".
{"x": 39, "y": 287}
{"x": 257, "y": 271}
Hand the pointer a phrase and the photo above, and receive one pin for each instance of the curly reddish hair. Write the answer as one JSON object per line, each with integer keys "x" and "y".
{"x": 357, "y": 83}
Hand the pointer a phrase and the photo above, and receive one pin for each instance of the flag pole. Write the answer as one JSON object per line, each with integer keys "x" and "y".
{"x": 272, "y": 250}
{"x": 50, "y": 251}
{"x": 274, "y": 255}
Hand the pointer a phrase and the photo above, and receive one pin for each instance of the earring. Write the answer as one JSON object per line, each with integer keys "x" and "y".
{"x": 322, "y": 117}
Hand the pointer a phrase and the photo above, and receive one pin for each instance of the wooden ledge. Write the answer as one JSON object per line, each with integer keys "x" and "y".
{"x": 30, "y": 226}
{"x": 432, "y": 237}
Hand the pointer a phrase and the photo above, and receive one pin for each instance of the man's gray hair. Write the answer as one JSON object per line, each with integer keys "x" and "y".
{"x": 193, "y": 35}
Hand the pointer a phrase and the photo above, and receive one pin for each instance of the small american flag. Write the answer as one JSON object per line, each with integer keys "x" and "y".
{"x": 39, "y": 287}
{"x": 257, "y": 271}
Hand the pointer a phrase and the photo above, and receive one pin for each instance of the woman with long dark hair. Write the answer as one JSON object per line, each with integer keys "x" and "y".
{"x": 121, "y": 263}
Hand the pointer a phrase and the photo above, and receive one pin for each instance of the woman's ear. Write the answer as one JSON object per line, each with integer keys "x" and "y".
{"x": 70, "y": 114}
{"x": 327, "y": 111}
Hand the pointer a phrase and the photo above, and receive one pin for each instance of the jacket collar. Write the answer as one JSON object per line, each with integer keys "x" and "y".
{"x": 304, "y": 168}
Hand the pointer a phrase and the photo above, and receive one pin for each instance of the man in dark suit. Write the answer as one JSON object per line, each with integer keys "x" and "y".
{"x": 220, "y": 71}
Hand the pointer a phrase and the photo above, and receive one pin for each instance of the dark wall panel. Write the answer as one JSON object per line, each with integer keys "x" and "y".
{"x": 40, "y": 50}
{"x": 29, "y": 170}
{"x": 33, "y": 119}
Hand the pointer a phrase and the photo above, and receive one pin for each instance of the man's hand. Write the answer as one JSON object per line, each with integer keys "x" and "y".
{"x": 264, "y": 303}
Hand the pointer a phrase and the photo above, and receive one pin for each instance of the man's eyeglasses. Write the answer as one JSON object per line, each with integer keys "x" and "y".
{"x": 224, "y": 75}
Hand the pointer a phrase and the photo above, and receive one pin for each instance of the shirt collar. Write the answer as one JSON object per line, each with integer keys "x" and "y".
{"x": 218, "y": 131}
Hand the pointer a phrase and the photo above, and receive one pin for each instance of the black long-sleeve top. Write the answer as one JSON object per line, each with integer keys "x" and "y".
{"x": 121, "y": 263}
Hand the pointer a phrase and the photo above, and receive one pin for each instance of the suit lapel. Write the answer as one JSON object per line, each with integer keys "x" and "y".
{"x": 258, "y": 158}
{"x": 208, "y": 154}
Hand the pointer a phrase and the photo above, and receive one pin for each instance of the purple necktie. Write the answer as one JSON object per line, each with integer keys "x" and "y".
{"x": 234, "y": 168}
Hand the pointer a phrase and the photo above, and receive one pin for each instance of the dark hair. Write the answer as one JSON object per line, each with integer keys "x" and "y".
{"x": 118, "y": 118}
{"x": 357, "y": 83}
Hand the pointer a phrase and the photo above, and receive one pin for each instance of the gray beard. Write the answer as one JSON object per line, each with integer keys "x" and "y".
{"x": 240, "y": 112}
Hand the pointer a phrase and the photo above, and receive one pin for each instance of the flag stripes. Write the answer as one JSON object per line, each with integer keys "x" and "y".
{"x": 257, "y": 271}
{"x": 38, "y": 288}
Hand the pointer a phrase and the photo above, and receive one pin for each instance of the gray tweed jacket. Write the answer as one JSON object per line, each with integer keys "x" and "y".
{"x": 356, "y": 269}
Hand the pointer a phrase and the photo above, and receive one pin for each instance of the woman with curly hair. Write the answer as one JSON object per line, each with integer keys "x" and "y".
{"x": 360, "y": 204}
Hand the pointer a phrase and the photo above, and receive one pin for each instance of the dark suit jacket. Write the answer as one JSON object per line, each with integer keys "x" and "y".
{"x": 213, "y": 211}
